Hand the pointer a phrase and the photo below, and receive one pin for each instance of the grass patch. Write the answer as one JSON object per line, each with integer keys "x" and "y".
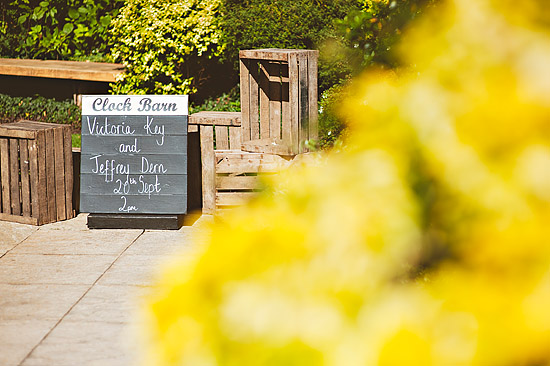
{"x": 75, "y": 139}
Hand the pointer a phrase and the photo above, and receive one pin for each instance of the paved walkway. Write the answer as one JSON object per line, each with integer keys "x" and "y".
{"x": 68, "y": 294}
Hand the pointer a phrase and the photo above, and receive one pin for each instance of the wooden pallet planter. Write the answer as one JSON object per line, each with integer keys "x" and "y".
{"x": 36, "y": 172}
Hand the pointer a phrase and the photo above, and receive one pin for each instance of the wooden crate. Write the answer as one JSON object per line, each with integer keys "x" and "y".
{"x": 36, "y": 172}
{"x": 218, "y": 130}
{"x": 278, "y": 115}
{"x": 230, "y": 176}
{"x": 238, "y": 174}
{"x": 278, "y": 100}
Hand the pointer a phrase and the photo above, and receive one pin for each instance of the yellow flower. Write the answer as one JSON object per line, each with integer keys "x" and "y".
{"x": 423, "y": 241}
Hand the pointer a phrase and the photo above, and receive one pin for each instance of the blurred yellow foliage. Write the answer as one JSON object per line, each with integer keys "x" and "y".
{"x": 425, "y": 241}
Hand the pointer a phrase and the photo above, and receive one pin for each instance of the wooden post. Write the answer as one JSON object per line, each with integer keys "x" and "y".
{"x": 313, "y": 95}
{"x": 274, "y": 69}
{"x": 69, "y": 180}
{"x": 294, "y": 96}
{"x": 208, "y": 172}
{"x": 14, "y": 177}
{"x": 263, "y": 86}
{"x": 5, "y": 162}
{"x": 25, "y": 186}
{"x": 245, "y": 100}
{"x": 222, "y": 138}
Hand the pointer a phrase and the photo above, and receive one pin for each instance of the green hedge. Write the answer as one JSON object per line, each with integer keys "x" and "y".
{"x": 293, "y": 24}
{"x": 56, "y": 29}
{"x": 167, "y": 46}
{"x": 39, "y": 109}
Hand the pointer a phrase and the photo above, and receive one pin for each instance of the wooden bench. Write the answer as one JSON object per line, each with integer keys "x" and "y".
{"x": 76, "y": 70}
{"x": 81, "y": 77}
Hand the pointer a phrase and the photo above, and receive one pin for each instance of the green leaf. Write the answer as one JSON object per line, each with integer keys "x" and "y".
{"x": 105, "y": 21}
{"x": 73, "y": 13}
{"x": 22, "y": 18}
{"x": 68, "y": 28}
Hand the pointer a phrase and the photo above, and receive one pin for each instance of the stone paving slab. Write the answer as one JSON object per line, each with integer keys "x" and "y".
{"x": 68, "y": 295}
{"x": 133, "y": 270}
{"x": 12, "y": 234}
{"x": 113, "y": 304}
{"x": 38, "y": 302}
{"x": 91, "y": 242}
{"x": 18, "y": 337}
{"x": 84, "y": 343}
{"x": 53, "y": 269}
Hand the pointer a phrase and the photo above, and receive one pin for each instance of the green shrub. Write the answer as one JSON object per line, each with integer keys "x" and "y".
{"x": 39, "y": 109}
{"x": 307, "y": 24}
{"x": 57, "y": 29}
{"x": 331, "y": 125}
{"x": 226, "y": 102}
{"x": 371, "y": 32}
{"x": 167, "y": 45}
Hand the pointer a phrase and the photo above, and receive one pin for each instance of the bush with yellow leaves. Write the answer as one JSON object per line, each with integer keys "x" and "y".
{"x": 424, "y": 241}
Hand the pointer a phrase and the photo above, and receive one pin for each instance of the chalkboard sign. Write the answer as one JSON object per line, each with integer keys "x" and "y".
{"x": 134, "y": 154}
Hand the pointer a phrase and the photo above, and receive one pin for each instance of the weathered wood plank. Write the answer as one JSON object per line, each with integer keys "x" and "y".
{"x": 232, "y": 164}
{"x": 254, "y": 101}
{"x": 263, "y": 84}
{"x": 59, "y": 168}
{"x": 6, "y": 131}
{"x": 313, "y": 95}
{"x": 267, "y": 146}
{"x": 42, "y": 179}
{"x": 33, "y": 166}
{"x": 222, "y": 138}
{"x": 168, "y": 163}
{"x": 275, "y": 101}
{"x": 285, "y": 110}
{"x": 237, "y": 182}
{"x": 234, "y": 138}
{"x": 239, "y": 155}
{"x": 233, "y": 198}
{"x": 208, "y": 169}
{"x": 245, "y": 99}
{"x": 303, "y": 131}
{"x": 5, "y": 171}
{"x": 215, "y": 118}
{"x": 150, "y": 185}
{"x": 68, "y": 175}
{"x": 131, "y": 145}
{"x": 19, "y": 219}
{"x": 50, "y": 175}
{"x": 76, "y": 70}
{"x": 294, "y": 97}
{"x": 135, "y": 126}
{"x": 267, "y": 54}
{"x": 14, "y": 177}
{"x": 25, "y": 186}
{"x": 167, "y": 204}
